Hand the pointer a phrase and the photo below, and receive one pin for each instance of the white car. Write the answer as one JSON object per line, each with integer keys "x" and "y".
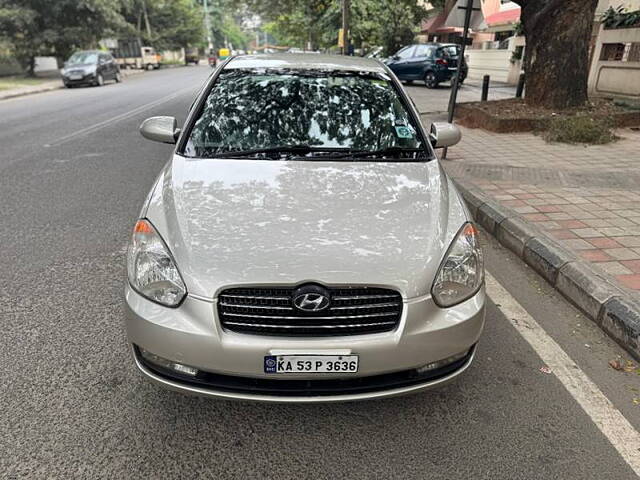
{"x": 303, "y": 243}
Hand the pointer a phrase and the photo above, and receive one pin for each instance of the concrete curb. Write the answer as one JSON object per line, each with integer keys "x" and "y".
{"x": 598, "y": 296}
{"x": 22, "y": 93}
{"x": 48, "y": 88}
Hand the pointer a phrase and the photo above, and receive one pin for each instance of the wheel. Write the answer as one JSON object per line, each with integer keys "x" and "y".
{"x": 430, "y": 80}
{"x": 99, "y": 80}
{"x": 149, "y": 67}
{"x": 118, "y": 77}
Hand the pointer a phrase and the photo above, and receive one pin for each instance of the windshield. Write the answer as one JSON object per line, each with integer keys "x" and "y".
{"x": 81, "y": 58}
{"x": 249, "y": 110}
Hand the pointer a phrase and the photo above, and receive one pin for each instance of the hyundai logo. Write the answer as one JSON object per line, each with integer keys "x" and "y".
{"x": 311, "y": 302}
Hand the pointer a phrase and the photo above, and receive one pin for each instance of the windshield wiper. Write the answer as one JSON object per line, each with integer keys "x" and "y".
{"x": 294, "y": 149}
{"x": 385, "y": 152}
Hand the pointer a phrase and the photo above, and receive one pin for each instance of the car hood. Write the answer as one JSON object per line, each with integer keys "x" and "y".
{"x": 260, "y": 222}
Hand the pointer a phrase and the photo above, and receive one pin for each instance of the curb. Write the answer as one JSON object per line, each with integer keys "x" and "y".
{"x": 49, "y": 88}
{"x": 613, "y": 309}
{"x": 23, "y": 93}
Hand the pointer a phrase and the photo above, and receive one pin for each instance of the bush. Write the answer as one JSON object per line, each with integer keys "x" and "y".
{"x": 580, "y": 129}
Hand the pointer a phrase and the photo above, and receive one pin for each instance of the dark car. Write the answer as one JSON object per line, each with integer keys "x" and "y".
{"x": 432, "y": 63}
{"x": 90, "y": 67}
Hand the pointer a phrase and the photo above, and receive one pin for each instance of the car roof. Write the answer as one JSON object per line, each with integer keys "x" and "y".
{"x": 306, "y": 61}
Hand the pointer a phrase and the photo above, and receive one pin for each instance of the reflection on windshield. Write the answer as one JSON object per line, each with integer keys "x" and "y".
{"x": 249, "y": 110}
{"x": 82, "y": 58}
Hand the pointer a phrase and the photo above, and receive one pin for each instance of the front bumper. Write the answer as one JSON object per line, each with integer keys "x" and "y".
{"x": 85, "y": 80}
{"x": 231, "y": 364}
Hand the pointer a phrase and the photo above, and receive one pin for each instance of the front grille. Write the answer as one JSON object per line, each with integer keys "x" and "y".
{"x": 270, "y": 311}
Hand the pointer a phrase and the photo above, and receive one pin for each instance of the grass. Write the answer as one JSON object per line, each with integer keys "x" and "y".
{"x": 580, "y": 129}
{"x": 7, "y": 83}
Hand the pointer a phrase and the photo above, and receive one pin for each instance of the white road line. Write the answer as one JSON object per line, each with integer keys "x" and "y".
{"x": 624, "y": 438}
{"x": 117, "y": 118}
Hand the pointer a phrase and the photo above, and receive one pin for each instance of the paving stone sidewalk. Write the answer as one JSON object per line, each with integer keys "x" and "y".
{"x": 587, "y": 198}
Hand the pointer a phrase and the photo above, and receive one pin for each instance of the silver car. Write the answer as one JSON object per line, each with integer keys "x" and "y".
{"x": 303, "y": 244}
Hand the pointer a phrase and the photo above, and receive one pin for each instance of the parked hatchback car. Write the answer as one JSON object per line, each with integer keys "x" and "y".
{"x": 90, "y": 67}
{"x": 432, "y": 63}
{"x": 303, "y": 243}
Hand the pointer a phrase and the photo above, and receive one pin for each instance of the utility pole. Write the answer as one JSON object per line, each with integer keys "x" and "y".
{"x": 207, "y": 24}
{"x": 346, "y": 12}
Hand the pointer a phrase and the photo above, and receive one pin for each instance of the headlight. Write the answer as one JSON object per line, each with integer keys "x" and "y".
{"x": 462, "y": 272}
{"x": 151, "y": 268}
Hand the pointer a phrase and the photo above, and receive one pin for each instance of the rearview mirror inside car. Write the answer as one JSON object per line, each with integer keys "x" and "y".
{"x": 160, "y": 129}
{"x": 444, "y": 135}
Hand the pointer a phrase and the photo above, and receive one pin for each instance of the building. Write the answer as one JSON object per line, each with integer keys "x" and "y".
{"x": 497, "y": 50}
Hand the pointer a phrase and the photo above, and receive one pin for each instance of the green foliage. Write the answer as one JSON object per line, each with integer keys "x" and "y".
{"x": 58, "y": 27}
{"x": 518, "y": 28}
{"x": 580, "y": 129}
{"x": 620, "y": 18}
{"x": 46, "y": 27}
{"x": 225, "y": 27}
{"x": 390, "y": 23}
{"x": 175, "y": 24}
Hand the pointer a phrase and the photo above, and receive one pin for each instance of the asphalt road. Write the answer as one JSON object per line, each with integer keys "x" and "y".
{"x": 73, "y": 175}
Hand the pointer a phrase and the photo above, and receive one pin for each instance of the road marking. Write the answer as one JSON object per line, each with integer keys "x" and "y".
{"x": 117, "y": 118}
{"x": 624, "y": 438}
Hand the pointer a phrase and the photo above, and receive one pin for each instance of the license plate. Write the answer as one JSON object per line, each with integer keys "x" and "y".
{"x": 310, "y": 364}
{"x": 75, "y": 77}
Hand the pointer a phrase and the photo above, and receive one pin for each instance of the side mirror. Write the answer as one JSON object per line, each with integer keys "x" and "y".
{"x": 160, "y": 129}
{"x": 444, "y": 135}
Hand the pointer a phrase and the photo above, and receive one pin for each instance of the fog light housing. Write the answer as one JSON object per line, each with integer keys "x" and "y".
{"x": 442, "y": 363}
{"x": 168, "y": 364}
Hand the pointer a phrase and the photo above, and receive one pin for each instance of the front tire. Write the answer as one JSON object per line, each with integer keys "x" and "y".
{"x": 118, "y": 77}
{"x": 430, "y": 80}
{"x": 149, "y": 66}
{"x": 99, "y": 80}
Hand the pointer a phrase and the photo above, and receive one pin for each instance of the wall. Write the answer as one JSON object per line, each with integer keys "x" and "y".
{"x": 46, "y": 67}
{"x": 489, "y": 62}
{"x": 605, "y": 4}
{"x": 615, "y": 78}
{"x": 173, "y": 55}
{"x": 496, "y": 63}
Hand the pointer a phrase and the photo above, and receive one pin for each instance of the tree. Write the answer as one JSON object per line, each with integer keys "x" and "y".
{"x": 390, "y": 23}
{"x": 556, "y": 65}
{"x": 55, "y": 27}
{"x": 172, "y": 24}
{"x": 298, "y": 24}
